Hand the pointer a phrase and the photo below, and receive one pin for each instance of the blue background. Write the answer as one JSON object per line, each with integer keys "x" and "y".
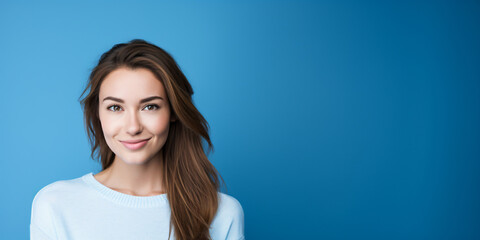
{"x": 330, "y": 120}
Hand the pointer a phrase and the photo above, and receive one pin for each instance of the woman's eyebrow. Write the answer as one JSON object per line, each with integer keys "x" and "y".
{"x": 141, "y": 101}
{"x": 150, "y": 99}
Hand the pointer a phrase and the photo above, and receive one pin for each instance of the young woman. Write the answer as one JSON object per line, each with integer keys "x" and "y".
{"x": 156, "y": 180}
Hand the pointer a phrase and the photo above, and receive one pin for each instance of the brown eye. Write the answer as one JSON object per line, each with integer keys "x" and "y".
{"x": 114, "y": 108}
{"x": 152, "y": 107}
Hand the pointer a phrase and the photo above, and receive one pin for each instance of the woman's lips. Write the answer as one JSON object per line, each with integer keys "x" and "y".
{"x": 135, "y": 144}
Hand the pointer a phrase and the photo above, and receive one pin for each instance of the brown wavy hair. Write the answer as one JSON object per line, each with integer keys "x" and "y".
{"x": 190, "y": 180}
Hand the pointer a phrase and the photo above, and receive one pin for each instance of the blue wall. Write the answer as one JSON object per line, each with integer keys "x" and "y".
{"x": 332, "y": 120}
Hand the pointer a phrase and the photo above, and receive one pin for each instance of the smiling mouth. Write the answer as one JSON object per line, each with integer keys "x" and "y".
{"x": 135, "y": 144}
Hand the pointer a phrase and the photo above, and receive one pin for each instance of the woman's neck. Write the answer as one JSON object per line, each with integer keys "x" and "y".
{"x": 137, "y": 180}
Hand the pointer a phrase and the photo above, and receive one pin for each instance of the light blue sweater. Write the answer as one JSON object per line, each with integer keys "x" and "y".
{"x": 84, "y": 209}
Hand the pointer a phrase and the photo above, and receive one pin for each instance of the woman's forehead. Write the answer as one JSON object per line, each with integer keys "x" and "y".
{"x": 131, "y": 84}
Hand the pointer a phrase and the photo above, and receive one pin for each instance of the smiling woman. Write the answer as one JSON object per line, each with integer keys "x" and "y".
{"x": 136, "y": 121}
{"x": 156, "y": 177}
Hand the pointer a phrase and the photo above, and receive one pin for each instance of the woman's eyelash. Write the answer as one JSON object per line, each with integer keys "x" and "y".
{"x": 154, "y": 105}
{"x": 115, "y": 107}
{"x": 109, "y": 108}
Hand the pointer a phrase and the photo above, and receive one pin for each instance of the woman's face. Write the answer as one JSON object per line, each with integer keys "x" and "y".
{"x": 133, "y": 107}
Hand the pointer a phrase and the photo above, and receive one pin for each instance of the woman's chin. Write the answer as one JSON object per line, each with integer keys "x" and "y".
{"x": 134, "y": 160}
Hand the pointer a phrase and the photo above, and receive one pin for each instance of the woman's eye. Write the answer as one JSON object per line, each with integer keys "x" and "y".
{"x": 152, "y": 107}
{"x": 114, "y": 108}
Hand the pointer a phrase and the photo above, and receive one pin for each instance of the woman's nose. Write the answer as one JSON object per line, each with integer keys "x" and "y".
{"x": 134, "y": 125}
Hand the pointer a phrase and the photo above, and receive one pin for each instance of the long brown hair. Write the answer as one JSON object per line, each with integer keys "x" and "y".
{"x": 190, "y": 180}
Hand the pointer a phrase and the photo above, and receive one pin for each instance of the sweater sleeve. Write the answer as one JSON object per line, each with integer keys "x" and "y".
{"x": 37, "y": 234}
{"x": 42, "y": 223}
{"x": 236, "y": 230}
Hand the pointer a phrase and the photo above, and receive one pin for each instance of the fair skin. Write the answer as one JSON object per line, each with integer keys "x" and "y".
{"x": 133, "y": 105}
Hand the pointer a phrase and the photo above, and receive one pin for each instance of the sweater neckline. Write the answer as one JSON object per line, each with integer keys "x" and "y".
{"x": 123, "y": 198}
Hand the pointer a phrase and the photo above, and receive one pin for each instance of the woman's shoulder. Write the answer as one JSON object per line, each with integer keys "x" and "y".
{"x": 229, "y": 220}
{"x": 229, "y": 206}
{"x": 49, "y": 200}
{"x": 228, "y": 201}
{"x": 57, "y": 191}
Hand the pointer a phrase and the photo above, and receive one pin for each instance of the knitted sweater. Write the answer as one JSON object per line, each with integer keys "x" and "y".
{"x": 83, "y": 208}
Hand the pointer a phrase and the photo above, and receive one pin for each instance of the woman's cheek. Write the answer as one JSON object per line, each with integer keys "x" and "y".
{"x": 158, "y": 123}
{"x": 110, "y": 126}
